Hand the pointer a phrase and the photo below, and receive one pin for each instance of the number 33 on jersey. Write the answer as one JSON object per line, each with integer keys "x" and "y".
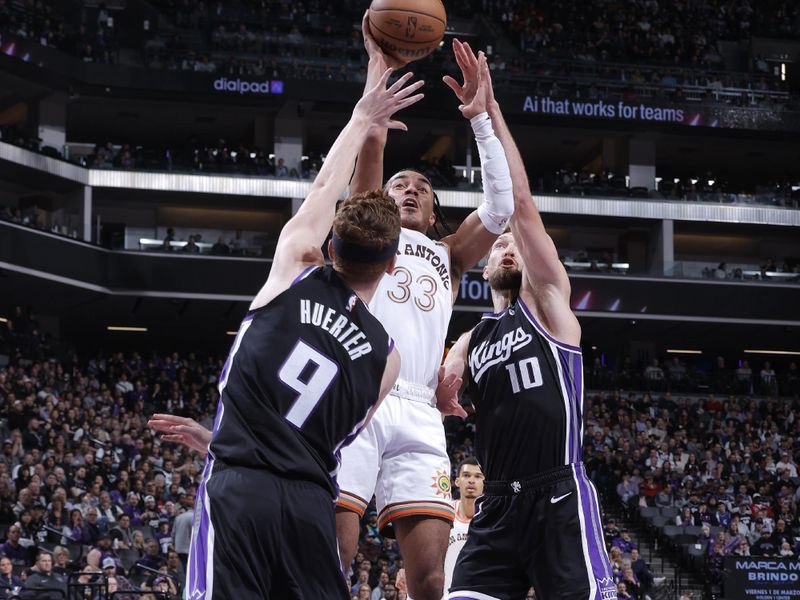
{"x": 414, "y": 304}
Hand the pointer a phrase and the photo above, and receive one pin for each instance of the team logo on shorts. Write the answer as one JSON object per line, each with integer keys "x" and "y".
{"x": 441, "y": 484}
{"x": 608, "y": 590}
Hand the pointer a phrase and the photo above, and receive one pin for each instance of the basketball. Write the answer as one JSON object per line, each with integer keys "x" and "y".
{"x": 407, "y": 29}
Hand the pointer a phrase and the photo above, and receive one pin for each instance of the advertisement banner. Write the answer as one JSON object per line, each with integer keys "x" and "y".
{"x": 690, "y": 114}
{"x": 761, "y": 578}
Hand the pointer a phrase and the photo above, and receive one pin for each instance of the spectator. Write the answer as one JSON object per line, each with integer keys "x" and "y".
{"x": 170, "y": 237}
{"x": 764, "y": 546}
{"x": 377, "y": 592}
{"x": 7, "y": 578}
{"x": 361, "y": 579}
{"x": 47, "y": 584}
{"x": 220, "y": 247}
{"x": 122, "y": 534}
{"x": 624, "y": 542}
{"x": 20, "y": 555}
{"x": 281, "y": 170}
{"x": 191, "y": 246}
{"x": 627, "y": 490}
{"x": 685, "y": 518}
{"x": 61, "y": 562}
{"x": 622, "y": 592}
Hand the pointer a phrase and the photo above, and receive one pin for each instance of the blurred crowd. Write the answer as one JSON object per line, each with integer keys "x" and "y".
{"x": 725, "y": 465}
{"x": 319, "y": 39}
{"x": 88, "y": 493}
{"x": 673, "y": 33}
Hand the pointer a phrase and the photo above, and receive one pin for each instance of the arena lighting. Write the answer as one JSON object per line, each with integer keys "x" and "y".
{"x": 783, "y": 71}
{"x": 676, "y": 180}
{"x": 127, "y": 329}
{"x": 711, "y": 182}
{"x": 3, "y": 320}
{"x": 694, "y": 181}
{"x": 777, "y": 352}
{"x": 679, "y": 351}
{"x": 231, "y": 332}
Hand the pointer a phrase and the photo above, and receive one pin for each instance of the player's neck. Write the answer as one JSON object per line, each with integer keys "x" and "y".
{"x": 466, "y": 508}
{"x": 502, "y": 299}
{"x": 365, "y": 291}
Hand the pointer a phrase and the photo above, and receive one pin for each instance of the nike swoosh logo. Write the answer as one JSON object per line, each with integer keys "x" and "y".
{"x": 554, "y": 500}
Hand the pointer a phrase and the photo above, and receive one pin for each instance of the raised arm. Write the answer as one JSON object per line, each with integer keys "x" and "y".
{"x": 369, "y": 166}
{"x": 544, "y": 277}
{"x": 476, "y": 234}
{"x": 300, "y": 239}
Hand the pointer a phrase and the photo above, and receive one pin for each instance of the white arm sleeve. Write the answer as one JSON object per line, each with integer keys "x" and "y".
{"x": 498, "y": 203}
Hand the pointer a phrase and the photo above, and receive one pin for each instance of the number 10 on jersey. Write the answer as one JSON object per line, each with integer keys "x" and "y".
{"x": 528, "y": 371}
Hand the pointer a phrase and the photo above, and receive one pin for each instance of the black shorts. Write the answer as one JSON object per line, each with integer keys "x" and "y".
{"x": 543, "y": 532}
{"x": 257, "y": 535}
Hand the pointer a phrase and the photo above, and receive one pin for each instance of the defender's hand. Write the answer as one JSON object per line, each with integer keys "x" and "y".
{"x": 447, "y": 395}
{"x": 380, "y": 103}
{"x": 181, "y": 430}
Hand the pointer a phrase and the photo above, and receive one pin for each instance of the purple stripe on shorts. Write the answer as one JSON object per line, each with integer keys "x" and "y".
{"x": 594, "y": 532}
{"x": 198, "y": 550}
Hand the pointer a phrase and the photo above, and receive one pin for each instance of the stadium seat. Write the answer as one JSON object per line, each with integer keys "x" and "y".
{"x": 75, "y": 552}
{"x": 128, "y": 558}
{"x": 670, "y": 511}
{"x": 659, "y": 522}
{"x": 146, "y": 530}
{"x": 648, "y": 512}
{"x": 694, "y": 530}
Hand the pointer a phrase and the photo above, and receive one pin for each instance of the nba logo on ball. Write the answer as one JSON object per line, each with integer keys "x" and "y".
{"x": 407, "y": 29}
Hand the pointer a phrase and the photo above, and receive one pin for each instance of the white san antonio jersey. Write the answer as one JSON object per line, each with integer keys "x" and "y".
{"x": 458, "y": 537}
{"x": 414, "y": 304}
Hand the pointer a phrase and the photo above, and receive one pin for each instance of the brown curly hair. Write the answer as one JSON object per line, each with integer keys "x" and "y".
{"x": 369, "y": 219}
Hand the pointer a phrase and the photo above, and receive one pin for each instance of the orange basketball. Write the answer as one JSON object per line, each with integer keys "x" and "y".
{"x": 407, "y": 29}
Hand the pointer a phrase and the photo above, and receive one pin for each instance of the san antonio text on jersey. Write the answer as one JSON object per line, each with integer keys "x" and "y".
{"x": 528, "y": 394}
{"x": 301, "y": 377}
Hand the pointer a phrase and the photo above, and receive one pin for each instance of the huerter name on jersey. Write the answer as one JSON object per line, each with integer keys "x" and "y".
{"x": 428, "y": 254}
{"x": 347, "y": 333}
{"x": 485, "y": 355}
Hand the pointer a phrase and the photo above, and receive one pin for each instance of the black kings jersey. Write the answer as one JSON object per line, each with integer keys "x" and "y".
{"x": 528, "y": 394}
{"x": 302, "y": 375}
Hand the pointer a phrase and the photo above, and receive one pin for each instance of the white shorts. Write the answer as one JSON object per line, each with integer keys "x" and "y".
{"x": 401, "y": 458}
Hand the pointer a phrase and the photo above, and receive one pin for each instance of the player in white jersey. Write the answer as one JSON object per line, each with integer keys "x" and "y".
{"x": 469, "y": 481}
{"x": 401, "y": 456}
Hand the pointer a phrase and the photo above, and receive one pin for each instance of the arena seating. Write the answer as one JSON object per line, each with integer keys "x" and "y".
{"x": 650, "y": 452}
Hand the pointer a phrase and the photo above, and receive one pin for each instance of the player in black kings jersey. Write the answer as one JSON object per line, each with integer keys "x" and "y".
{"x": 538, "y": 521}
{"x": 307, "y": 368}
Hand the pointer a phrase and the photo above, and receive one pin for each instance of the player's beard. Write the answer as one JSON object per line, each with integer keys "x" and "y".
{"x": 506, "y": 280}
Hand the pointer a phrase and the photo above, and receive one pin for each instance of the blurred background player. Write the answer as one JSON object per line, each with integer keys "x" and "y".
{"x": 305, "y": 371}
{"x": 469, "y": 481}
{"x": 525, "y": 379}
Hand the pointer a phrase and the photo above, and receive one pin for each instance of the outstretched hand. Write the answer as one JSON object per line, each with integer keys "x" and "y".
{"x": 476, "y": 92}
{"x": 468, "y": 63}
{"x": 181, "y": 430}
{"x": 447, "y": 395}
{"x": 380, "y": 103}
